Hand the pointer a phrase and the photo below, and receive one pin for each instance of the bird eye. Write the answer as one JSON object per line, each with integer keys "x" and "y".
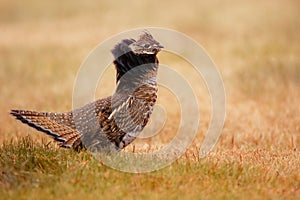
{"x": 147, "y": 46}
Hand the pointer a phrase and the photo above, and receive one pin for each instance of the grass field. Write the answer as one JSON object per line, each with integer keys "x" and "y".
{"x": 256, "y": 47}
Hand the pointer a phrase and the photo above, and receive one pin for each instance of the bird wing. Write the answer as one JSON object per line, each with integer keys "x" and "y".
{"x": 130, "y": 115}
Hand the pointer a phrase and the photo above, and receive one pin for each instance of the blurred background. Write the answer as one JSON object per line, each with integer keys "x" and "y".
{"x": 255, "y": 44}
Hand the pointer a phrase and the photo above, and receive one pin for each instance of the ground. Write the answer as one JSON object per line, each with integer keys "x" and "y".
{"x": 255, "y": 45}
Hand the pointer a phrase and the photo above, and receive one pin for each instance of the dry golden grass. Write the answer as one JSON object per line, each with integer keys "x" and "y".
{"x": 254, "y": 43}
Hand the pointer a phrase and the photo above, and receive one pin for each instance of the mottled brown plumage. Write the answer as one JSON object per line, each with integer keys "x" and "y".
{"x": 113, "y": 121}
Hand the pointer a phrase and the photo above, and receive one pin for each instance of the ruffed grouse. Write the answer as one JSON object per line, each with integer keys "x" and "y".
{"x": 114, "y": 121}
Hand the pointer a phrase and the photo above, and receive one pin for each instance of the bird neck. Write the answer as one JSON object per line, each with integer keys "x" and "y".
{"x": 137, "y": 66}
{"x": 141, "y": 75}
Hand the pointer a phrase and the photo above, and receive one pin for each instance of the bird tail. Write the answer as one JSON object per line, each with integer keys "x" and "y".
{"x": 59, "y": 126}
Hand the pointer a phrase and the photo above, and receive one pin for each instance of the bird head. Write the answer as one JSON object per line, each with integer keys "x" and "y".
{"x": 146, "y": 45}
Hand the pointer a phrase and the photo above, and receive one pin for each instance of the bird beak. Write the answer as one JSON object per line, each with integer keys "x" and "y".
{"x": 160, "y": 46}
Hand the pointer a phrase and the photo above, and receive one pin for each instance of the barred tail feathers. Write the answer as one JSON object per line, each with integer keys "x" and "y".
{"x": 60, "y": 126}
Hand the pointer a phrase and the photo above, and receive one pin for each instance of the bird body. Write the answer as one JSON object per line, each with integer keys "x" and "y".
{"x": 113, "y": 121}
